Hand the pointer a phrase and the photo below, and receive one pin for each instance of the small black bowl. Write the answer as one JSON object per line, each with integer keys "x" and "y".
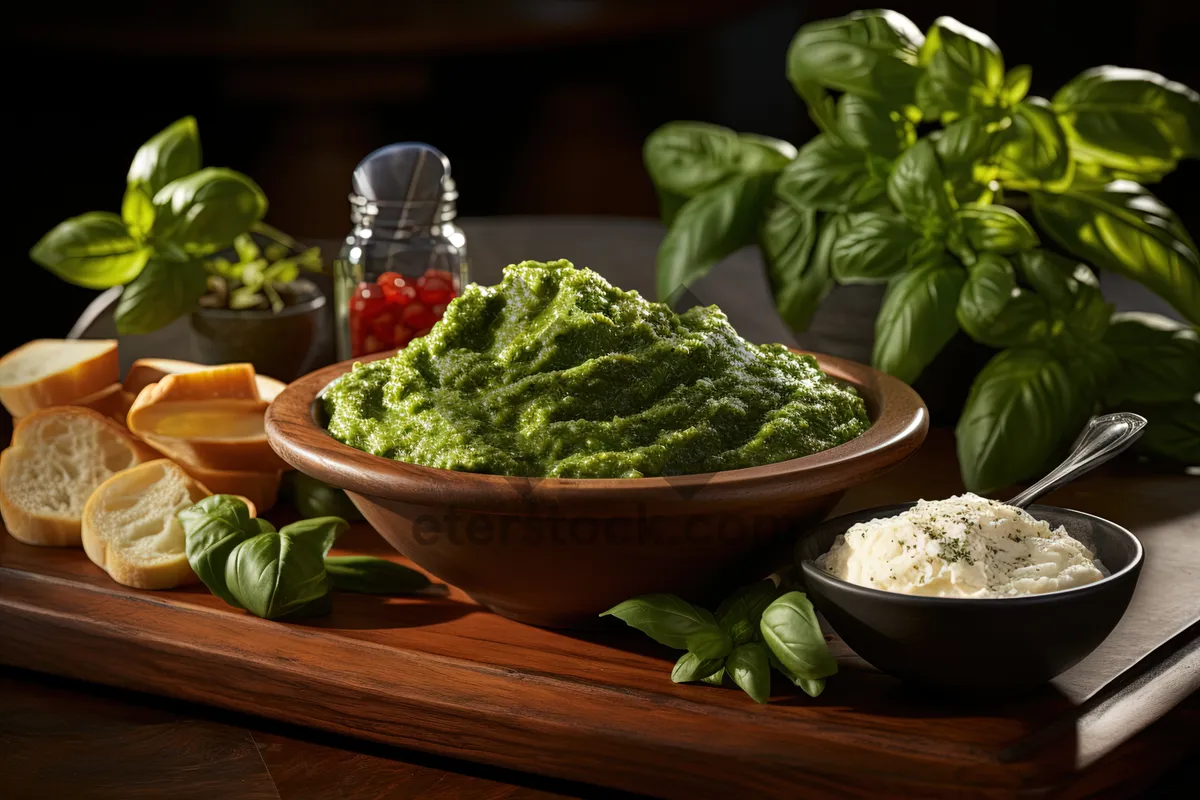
{"x": 977, "y": 645}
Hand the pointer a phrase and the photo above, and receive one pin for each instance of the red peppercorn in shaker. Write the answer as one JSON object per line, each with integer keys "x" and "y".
{"x": 404, "y": 259}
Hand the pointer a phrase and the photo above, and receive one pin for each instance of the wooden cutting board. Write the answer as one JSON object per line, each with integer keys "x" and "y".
{"x": 442, "y": 675}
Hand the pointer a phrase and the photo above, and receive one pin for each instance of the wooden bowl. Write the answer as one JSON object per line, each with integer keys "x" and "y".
{"x": 556, "y": 552}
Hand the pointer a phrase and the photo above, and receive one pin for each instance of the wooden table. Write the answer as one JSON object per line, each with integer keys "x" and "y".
{"x": 122, "y": 744}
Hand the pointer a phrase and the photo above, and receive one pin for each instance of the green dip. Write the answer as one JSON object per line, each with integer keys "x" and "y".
{"x": 556, "y": 373}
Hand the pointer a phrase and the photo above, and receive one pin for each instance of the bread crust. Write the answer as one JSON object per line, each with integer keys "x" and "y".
{"x": 82, "y": 378}
{"x": 260, "y": 488}
{"x": 146, "y": 371}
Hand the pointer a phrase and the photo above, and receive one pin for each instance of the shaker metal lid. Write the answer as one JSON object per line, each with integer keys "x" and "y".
{"x": 408, "y": 173}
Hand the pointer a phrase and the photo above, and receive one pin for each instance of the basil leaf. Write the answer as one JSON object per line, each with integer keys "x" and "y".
{"x": 1126, "y": 229}
{"x": 137, "y": 212}
{"x": 789, "y": 627}
{"x": 798, "y": 282}
{"x": 830, "y": 176}
{"x": 369, "y": 575}
{"x": 739, "y": 614}
{"x": 687, "y": 158}
{"x": 872, "y": 54}
{"x": 811, "y": 686}
{"x": 262, "y": 525}
{"x": 319, "y": 533}
{"x": 709, "y": 227}
{"x": 1129, "y": 119}
{"x": 665, "y": 618}
{"x": 313, "y": 498}
{"x": 709, "y": 643}
{"x": 872, "y": 249}
{"x": 1173, "y": 432}
{"x": 917, "y": 318}
{"x": 93, "y": 250}
{"x": 163, "y": 292}
{"x": 1071, "y": 291}
{"x": 1035, "y": 147}
{"x": 870, "y": 126}
{"x": 748, "y": 667}
{"x": 964, "y": 142}
{"x": 917, "y": 188}
{"x": 213, "y": 527}
{"x": 205, "y": 211}
{"x": 275, "y": 574}
{"x": 995, "y": 311}
{"x": 1016, "y": 84}
{"x": 1159, "y": 360}
{"x": 669, "y": 204}
{"x": 1023, "y": 405}
{"x": 691, "y": 667}
{"x": 963, "y": 70}
{"x": 995, "y": 229}
{"x": 170, "y": 154}
{"x": 716, "y": 679}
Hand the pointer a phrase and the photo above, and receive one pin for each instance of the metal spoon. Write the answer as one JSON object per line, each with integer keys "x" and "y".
{"x": 1103, "y": 438}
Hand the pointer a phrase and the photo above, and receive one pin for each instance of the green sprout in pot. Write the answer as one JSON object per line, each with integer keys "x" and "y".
{"x": 981, "y": 208}
{"x": 176, "y": 217}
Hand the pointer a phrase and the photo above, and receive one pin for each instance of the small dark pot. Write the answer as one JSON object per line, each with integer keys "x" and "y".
{"x": 284, "y": 345}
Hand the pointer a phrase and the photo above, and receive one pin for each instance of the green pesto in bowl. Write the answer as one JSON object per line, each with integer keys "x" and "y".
{"x": 556, "y": 373}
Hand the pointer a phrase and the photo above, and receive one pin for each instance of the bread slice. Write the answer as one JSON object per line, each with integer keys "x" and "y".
{"x": 261, "y": 489}
{"x": 55, "y": 372}
{"x": 211, "y": 418}
{"x": 146, "y": 371}
{"x": 57, "y": 457}
{"x": 112, "y": 401}
{"x": 130, "y": 530}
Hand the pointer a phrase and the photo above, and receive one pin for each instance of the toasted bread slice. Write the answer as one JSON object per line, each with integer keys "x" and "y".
{"x": 261, "y": 489}
{"x": 212, "y": 419}
{"x": 130, "y": 530}
{"x": 55, "y": 372}
{"x": 112, "y": 401}
{"x": 146, "y": 371}
{"x": 57, "y": 457}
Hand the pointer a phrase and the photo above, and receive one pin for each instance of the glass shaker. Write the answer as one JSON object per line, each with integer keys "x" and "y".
{"x": 404, "y": 259}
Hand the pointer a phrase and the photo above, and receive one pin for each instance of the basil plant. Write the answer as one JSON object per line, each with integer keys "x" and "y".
{"x": 982, "y": 209}
{"x": 174, "y": 215}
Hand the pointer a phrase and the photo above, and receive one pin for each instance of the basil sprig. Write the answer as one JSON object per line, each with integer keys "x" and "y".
{"x": 754, "y": 629}
{"x": 280, "y": 573}
{"x": 957, "y": 223}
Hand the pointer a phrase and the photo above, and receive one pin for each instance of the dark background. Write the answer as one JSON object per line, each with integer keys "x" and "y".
{"x": 541, "y": 105}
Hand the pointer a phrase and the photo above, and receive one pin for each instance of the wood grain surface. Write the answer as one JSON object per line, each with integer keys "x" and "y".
{"x": 443, "y": 676}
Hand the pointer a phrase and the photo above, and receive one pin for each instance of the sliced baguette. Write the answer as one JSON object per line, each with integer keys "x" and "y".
{"x": 130, "y": 530}
{"x": 57, "y": 457}
{"x": 211, "y": 419}
{"x": 112, "y": 401}
{"x": 146, "y": 371}
{"x": 55, "y": 372}
{"x": 260, "y": 488}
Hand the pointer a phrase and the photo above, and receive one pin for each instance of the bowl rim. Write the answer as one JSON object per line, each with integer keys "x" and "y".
{"x": 809, "y": 568}
{"x": 898, "y": 429}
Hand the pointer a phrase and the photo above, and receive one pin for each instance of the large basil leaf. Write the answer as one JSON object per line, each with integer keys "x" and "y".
{"x": 1070, "y": 290}
{"x": 917, "y": 317}
{"x": 995, "y": 311}
{"x": 829, "y": 175}
{"x": 811, "y": 686}
{"x": 1126, "y": 229}
{"x": 872, "y": 249}
{"x": 319, "y": 533}
{"x": 1159, "y": 360}
{"x": 917, "y": 188}
{"x": 205, "y": 211}
{"x": 667, "y": 619}
{"x": 1022, "y": 407}
{"x": 963, "y": 70}
{"x": 964, "y": 142}
{"x": 691, "y": 667}
{"x": 1129, "y": 119}
{"x": 872, "y": 54}
{"x": 1035, "y": 148}
{"x": 870, "y": 126}
{"x": 1173, "y": 432}
{"x": 1016, "y": 84}
{"x": 369, "y": 575}
{"x": 748, "y": 667}
{"x": 687, "y": 158}
{"x": 798, "y": 282}
{"x": 173, "y": 152}
{"x": 790, "y": 629}
{"x": 164, "y": 291}
{"x": 92, "y": 250}
{"x": 996, "y": 229}
{"x": 707, "y": 228}
{"x": 213, "y": 527}
{"x": 740, "y": 613}
{"x": 273, "y": 575}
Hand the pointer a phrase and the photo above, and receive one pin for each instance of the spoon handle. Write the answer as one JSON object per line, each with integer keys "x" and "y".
{"x": 1102, "y": 439}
